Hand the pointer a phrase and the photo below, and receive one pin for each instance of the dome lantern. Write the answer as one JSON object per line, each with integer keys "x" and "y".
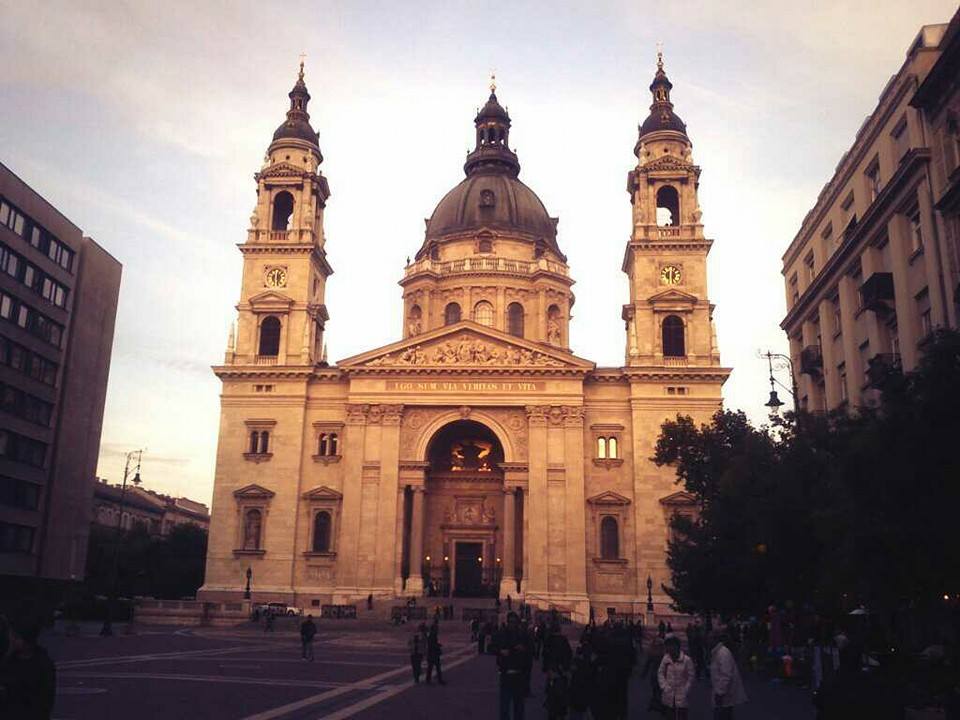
{"x": 662, "y": 116}
{"x": 297, "y": 125}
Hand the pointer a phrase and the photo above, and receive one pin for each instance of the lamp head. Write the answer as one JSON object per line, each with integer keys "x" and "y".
{"x": 774, "y": 403}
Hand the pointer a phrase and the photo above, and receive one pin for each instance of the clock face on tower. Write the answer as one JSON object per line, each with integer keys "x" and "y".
{"x": 276, "y": 277}
{"x": 670, "y": 275}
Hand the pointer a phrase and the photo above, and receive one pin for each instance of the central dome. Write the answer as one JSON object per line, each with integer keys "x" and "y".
{"x": 495, "y": 201}
{"x": 491, "y": 196}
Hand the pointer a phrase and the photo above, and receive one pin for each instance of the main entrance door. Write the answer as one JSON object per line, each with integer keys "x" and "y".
{"x": 468, "y": 581}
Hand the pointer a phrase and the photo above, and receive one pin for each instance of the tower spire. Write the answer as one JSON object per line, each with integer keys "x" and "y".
{"x": 492, "y": 153}
{"x": 662, "y": 116}
{"x": 297, "y": 124}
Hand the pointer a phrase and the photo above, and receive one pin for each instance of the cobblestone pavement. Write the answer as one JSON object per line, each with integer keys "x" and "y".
{"x": 360, "y": 671}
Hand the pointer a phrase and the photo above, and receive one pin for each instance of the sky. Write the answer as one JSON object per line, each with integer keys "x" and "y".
{"x": 143, "y": 122}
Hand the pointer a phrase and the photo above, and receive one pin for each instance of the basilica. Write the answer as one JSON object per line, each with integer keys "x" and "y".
{"x": 477, "y": 455}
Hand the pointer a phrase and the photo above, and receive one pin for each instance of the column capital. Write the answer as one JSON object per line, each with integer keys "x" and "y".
{"x": 357, "y": 414}
{"x": 418, "y": 488}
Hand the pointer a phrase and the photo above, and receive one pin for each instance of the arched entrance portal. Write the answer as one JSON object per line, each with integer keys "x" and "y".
{"x": 463, "y": 531}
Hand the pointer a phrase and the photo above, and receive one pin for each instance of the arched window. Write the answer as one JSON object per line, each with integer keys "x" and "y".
{"x": 254, "y": 442}
{"x": 270, "y": 336}
{"x": 668, "y": 206}
{"x": 673, "y": 345}
{"x": 264, "y": 447}
{"x": 612, "y": 447}
{"x": 601, "y": 447}
{"x": 609, "y": 539}
{"x": 451, "y": 314}
{"x": 321, "y": 531}
{"x": 483, "y": 313}
{"x": 328, "y": 444}
{"x": 282, "y": 211}
{"x": 252, "y": 525}
{"x": 515, "y": 319}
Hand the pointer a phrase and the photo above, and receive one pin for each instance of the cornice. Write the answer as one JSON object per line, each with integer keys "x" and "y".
{"x": 635, "y": 374}
{"x": 275, "y": 248}
{"x": 444, "y": 370}
{"x": 234, "y": 372}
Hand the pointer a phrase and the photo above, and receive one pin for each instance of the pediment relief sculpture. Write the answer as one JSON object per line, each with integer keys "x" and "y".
{"x": 466, "y": 351}
{"x": 253, "y": 491}
{"x": 469, "y": 511}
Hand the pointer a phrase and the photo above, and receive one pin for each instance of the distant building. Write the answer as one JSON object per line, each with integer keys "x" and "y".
{"x": 873, "y": 270}
{"x": 58, "y": 304}
{"x": 157, "y": 513}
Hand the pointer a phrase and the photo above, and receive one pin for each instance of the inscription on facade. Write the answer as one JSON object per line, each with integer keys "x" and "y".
{"x": 465, "y": 386}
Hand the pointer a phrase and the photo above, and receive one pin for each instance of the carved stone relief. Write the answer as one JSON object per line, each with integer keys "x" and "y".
{"x": 466, "y": 351}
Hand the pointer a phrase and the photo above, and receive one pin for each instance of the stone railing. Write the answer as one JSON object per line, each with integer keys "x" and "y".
{"x": 264, "y": 359}
{"x": 668, "y": 232}
{"x": 675, "y": 361}
{"x": 486, "y": 264}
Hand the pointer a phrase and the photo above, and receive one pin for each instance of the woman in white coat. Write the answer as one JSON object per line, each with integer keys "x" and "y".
{"x": 725, "y": 677}
{"x": 676, "y": 675}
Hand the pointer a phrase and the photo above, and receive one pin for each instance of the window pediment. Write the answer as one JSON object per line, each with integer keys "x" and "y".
{"x": 673, "y": 300}
{"x": 679, "y": 499}
{"x": 270, "y": 301}
{"x": 609, "y": 497}
{"x": 323, "y": 493}
{"x": 253, "y": 492}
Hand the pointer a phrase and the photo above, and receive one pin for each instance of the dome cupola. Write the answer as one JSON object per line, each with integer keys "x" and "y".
{"x": 297, "y": 125}
{"x": 662, "y": 116}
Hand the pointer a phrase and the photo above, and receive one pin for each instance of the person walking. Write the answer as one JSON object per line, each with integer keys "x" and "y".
{"x": 27, "y": 674}
{"x": 513, "y": 651}
{"x": 728, "y": 690}
{"x": 675, "y": 676}
{"x": 416, "y": 646}
{"x": 307, "y": 630}
{"x": 370, "y": 601}
{"x": 434, "y": 649}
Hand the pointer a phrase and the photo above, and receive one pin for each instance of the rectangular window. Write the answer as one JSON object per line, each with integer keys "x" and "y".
{"x": 18, "y": 224}
{"x": 916, "y": 232}
{"x": 16, "y": 538}
{"x": 900, "y": 139}
{"x": 842, "y": 374}
{"x": 13, "y": 265}
{"x": 809, "y": 268}
{"x": 794, "y": 290}
{"x": 837, "y": 324}
{"x": 4, "y": 213}
{"x": 873, "y": 180}
{"x": 23, "y": 316}
{"x": 923, "y": 311}
{"x": 6, "y": 307}
{"x": 865, "y": 361}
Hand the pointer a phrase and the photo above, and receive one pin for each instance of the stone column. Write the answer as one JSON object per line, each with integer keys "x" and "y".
{"x": 508, "y": 582}
{"x": 415, "y": 581}
{"x": 349, "y": 540}
{"x": 535, "y": 504}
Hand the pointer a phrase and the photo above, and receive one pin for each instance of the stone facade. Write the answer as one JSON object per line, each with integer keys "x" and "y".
{"x": 477, "y": 454}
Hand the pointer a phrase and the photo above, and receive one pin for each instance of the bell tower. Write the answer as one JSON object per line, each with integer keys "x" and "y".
{"x": 281, "y": 313}
{"x": 669, "y": 320}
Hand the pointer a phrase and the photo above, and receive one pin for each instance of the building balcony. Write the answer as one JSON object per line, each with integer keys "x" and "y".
{"x": 881, "y": 366}
{"x": 876, "y": 293}
{"x": 264, "y": 359}
{"x": 675, "y": 361}
{"x": 499, "y": 265}
{"x": 811, "y": 360}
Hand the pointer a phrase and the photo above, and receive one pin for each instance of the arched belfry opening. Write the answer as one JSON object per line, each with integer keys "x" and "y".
{"x": 462, "y": 548}
{"x": 282, "y": 211}
{"x": 668, "y": 206}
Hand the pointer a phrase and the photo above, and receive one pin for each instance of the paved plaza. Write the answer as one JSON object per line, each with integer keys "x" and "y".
{"x": 360, "y": 671}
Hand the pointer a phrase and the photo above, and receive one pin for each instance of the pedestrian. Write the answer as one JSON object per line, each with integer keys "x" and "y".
{"x": 556, "y": 695}
{"x": 434, "y": 650}
{"x": 416, "y": 648}
{"x": 651, "y": 668}
{"x": 509, "y": 603}
{"x": 268, "y": 620}
{"x": 675, "y": 676}
{"x": 370, "y": 601}
{"x": 307, "y": 630}
{"x": 474, "y": 629}
{"x": 482, "y": 638}
{"x": 27, "y": 674}
{"x": 728, "y": 690}
{"x": 581, "y": 683}
{"x": 513, "y": 651}
{"x": 662, "y": 629}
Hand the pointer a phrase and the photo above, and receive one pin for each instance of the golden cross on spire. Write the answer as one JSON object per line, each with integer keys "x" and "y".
{"x": 493, "y": 81}
{"x": 303, "y": 56}
{"x": 660, "y": 56}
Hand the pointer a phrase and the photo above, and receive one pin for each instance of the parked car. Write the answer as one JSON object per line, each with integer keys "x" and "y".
{"x": 279, "y": 608}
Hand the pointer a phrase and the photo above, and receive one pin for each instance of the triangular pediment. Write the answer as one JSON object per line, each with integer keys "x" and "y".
{"x": 681, "y": 497}
{"x": 254, "y": 491}
{"x": 466, "y": 344}
{"x": 270, "y": 300}
{"x": 672, "y": 297}
{"x": 322, "y": 493}
{"x": 609, "y": 497}
{"x": 669, "y": 163}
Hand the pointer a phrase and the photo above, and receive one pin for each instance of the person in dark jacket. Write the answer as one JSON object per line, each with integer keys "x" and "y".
{"x": 27, "y": 674}
{"x": 416, "y": 646}
{"x": 434, "y": 649}
{"x": 512, "y": 660}
{"x": 582, "y": 683}
{"x": 307, "y": 630}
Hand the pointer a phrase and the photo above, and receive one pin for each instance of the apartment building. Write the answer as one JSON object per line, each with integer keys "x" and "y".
{"x": 58, "y": 304}
{"x": 872, "y": 272}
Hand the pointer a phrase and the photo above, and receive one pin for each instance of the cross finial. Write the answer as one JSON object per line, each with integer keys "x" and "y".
{"x": 659, "y": 56}
{"x": 303, "y": 56}
{"x": 493, "y": 81}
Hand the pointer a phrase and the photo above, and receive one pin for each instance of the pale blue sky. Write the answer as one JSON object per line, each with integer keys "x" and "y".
{"x": 144, "y": 122}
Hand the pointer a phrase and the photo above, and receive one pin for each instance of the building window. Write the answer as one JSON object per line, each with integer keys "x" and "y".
{"x": 673, "y": 342}
{"x": 609, "y": 539}
{"x": 842, "y": 375}
{"x": 282, "y": 211}
{"x": 483, "y": 313}
{"x": 515, "y": 319}
{"x": 19, "y": 493}
{"x": 328, "y": 444}
{"x": 916, "y": 232}
{"x": 451, "y": 314}
{"x": 252, "y": 529}
{"x": 668, "y": 206}
{"x": 16, "y": 538}
{"x": 808, "y": 268}
{"x": 22, "y": 449}
{"x": 321, "y": 531}
{"x": 923, "y": 310}
{"x": 865, "y": 361}
{"x": 900, "y": 139}
{"x": 794, "y": 290}
{"x": 259, "y": 442}
{"x": 837, "y": 325}
{"x": 607, "y": 447}
{"x": 269, "y": 337}
{"x": 873, "y": 180}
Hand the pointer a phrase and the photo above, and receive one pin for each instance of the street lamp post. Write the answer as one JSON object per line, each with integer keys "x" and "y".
{"x": 107, "y": 628}
{"x": 246, "y": 592}
{"x": 775, "y": 403}
{"x": 649, "y": 594}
